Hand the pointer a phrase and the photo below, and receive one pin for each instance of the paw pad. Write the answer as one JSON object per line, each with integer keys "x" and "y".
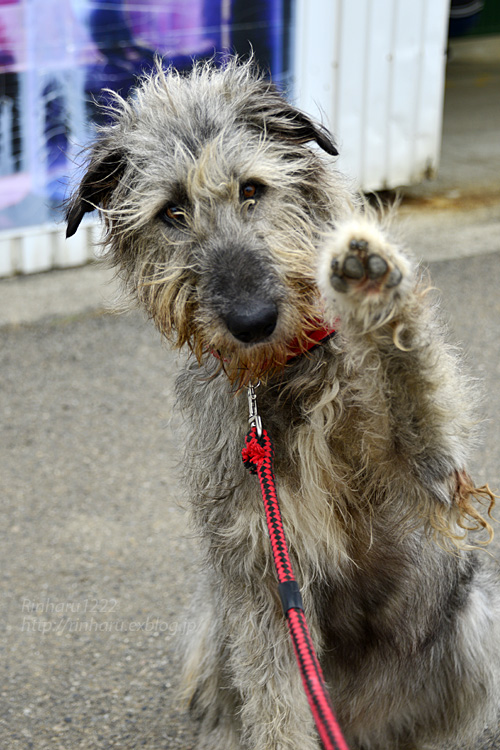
{"x": 360, "y": 265}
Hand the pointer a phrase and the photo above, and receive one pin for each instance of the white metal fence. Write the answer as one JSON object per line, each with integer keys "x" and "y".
{"x": 39, "y": 248}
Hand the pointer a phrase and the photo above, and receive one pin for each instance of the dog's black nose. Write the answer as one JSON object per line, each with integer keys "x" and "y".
{"x": 253, "y": 322}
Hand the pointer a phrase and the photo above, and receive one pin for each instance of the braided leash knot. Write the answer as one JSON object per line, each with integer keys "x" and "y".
{"x": 257, "y": 451}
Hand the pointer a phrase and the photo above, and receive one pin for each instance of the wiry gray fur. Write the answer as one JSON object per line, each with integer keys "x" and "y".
{"x": 234, "y": 233}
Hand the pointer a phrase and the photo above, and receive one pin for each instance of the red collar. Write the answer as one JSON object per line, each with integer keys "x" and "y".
{"x": 315, "y": 334}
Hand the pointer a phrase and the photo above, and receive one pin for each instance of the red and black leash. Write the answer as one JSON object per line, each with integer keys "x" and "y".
{"x": 258, "y": 455}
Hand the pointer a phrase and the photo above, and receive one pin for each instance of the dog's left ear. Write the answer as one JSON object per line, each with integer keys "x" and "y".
{"x": 286, "y": 122}
{"x": 103, "y": 173}
{"x": 293, "y": 125}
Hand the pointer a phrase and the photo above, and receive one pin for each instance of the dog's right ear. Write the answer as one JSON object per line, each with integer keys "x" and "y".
{"x": 101, "y": 178}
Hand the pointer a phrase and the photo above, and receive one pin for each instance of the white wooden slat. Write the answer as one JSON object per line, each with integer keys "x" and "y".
{"x": 427, "y": 142}
{"x": 406, "y": 73}
{"x": 7, "y": 266}
{"x": 72, "y": 251}
{"x": 36, "y": 252}
{"x": 376, "y": 145}
{"x": 350, "y": 96}
{"x": 315, "y": 56}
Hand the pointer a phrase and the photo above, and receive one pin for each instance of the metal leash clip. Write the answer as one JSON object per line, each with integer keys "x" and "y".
{"x": 254, "y": 418}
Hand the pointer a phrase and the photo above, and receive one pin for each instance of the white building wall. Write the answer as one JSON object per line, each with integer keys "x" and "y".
{"x": 373, "y": 71}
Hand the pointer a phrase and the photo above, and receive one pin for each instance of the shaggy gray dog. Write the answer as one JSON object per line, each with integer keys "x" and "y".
{"x": 228, "y": 223}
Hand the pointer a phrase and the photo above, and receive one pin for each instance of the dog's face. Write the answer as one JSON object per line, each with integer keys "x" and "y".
{"x": 215, "y": 202}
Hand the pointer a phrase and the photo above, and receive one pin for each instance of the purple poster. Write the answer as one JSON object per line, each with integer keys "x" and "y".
{"x": 56, "y": 57}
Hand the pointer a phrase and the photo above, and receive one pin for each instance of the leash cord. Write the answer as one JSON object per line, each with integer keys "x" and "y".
{"x": 258, "y": 455}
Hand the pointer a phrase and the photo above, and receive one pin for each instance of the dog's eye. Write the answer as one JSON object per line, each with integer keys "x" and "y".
{"x": 251, "y": 191}
{"x": 173, "y": 215}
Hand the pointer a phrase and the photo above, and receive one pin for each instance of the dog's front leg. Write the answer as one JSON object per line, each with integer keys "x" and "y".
{"x": 274, "y": 712}
{"x": 407, "y": 428}
{"x": 240, "y": 674}
{"x": 412, "y": 408}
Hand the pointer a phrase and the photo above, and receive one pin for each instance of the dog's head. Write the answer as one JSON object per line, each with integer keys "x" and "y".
{"x": 215, "y": 195}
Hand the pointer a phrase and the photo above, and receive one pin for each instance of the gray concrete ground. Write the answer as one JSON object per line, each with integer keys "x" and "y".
{"x": 96, "y": 561}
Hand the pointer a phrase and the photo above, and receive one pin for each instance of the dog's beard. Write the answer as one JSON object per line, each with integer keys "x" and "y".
{"x": 259, "y": 363}
{"x": 251, "y": 365}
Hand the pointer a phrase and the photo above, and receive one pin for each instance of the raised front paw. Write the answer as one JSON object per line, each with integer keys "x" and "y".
{"x": 360, "y": 270}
